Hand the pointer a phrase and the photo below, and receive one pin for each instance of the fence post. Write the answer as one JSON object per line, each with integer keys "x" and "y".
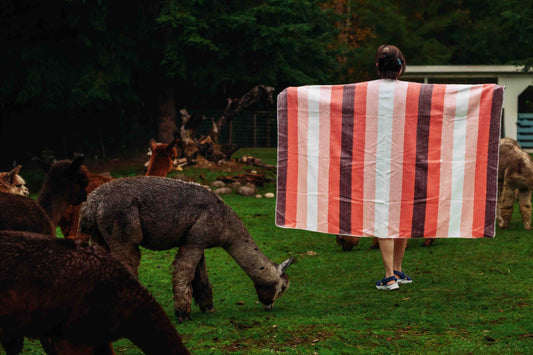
{"x": 255, "y": 129}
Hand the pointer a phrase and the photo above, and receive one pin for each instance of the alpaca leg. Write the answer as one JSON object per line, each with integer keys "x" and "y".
{"x": 507, "y": 202}
{"x": 202, "y": 291}
{"x": 129, "y": 254}
{"x": 124, "y": 239}
{"x": 524, "y": 203}
{"x": 183, "y": 271}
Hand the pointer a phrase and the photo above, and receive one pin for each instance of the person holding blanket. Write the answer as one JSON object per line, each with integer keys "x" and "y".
{"x": 390, "y": 64}
{"x": 389, "y": 159}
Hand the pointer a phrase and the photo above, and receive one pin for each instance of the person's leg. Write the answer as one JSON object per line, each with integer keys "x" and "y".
{"x": 386, "y": 247}
{"x": 399, "y": 250}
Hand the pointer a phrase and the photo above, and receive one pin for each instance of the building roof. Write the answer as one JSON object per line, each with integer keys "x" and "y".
{"x": 463, "y": 71}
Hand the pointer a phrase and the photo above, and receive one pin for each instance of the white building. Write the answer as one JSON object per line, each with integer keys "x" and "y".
{"x": 517, "y": 98}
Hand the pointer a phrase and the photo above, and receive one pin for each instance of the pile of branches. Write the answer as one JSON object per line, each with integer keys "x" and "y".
{"x": 207, "y": 146}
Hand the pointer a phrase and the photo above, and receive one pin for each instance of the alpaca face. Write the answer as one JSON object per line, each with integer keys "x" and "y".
{"x": 267, "y": 294}
{"x": 270, "y": 293}
{"x": 13, "y": 183}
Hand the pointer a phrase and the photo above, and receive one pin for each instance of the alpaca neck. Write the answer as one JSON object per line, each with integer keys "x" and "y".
{"x": 255, "y": 264}
{"x": 54, "y": 208}
{"x": 158, "y": 170}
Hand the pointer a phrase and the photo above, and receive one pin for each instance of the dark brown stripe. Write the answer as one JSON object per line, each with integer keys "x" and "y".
{"x": 492, "y": 164}
{"x": 282, "y": 158}
{"x": 345, "y": 184}
{"x": 421, "y": 164}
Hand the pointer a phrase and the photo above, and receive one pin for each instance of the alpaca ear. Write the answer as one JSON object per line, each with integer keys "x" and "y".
{"x": 152, "y": 144}
{"x": 284, "y": 265}
{"x": 171, "y": 146}
{"x": 76, "y": 163}
{"x": 11, "y": 175}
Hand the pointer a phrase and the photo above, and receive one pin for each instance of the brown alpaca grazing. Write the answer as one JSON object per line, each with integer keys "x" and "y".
{"x": 515, "y": 182}
{"x": 64, "y": 185}
{"x": 161, "y": 213}
{"x": 160, "y": 164}
{"x": 77, "y": 297}
{"x": 12, "y": 183}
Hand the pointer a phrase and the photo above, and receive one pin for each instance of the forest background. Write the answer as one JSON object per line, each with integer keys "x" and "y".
{"x": 94, "y": 77}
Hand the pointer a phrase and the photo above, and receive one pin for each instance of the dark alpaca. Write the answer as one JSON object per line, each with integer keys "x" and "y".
{"x": 69, "y": 220}
{"x": 162, "y": 213}
{"x": 64, "y": 185}
{"x": 76, "y": 295}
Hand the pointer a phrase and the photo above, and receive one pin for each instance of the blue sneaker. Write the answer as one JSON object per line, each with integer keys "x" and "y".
{"x": 402, "y": 278}
{"x": 382, "y": 285}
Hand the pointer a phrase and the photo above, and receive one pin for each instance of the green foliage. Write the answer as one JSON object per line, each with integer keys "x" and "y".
{"x": 214, "y": 44}
{"x": 498, "y": 32}
{"x": 424, "y": 31}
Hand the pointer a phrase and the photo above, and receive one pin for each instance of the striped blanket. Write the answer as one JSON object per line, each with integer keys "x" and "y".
{"x": 390, "y": 159}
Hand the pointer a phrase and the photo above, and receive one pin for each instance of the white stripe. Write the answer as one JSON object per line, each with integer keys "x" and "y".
{"x": 383, "y": 157}
{"x": 458, "y": 156}
{"x": 313, "y": 136}
{"x": 323, "y": 149}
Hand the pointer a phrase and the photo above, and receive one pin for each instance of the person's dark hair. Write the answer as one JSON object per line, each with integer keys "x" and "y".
{"x": 390, "y": 62}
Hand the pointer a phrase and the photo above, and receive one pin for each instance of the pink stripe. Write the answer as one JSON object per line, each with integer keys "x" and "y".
{"x": 446, "y": 159}
{"x": 471, "y": 141}
{"x": 397, "y": 152}
{"x": 303, "y": 127}
{"x": 434, "y": 159}
{"x": 409, "y": 159}
{"x": 334, "y": 157}
{"x": 372, "y": 102}
{"x": 323, "y": 161}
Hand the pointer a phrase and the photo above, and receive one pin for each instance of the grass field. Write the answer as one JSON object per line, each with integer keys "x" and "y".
{"x": 467, "y": 297}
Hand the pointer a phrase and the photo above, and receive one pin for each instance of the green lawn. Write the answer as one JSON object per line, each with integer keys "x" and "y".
{"x": 467, "y": 297}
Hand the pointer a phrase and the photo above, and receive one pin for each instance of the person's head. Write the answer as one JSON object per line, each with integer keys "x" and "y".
{"x": 390, "y": 62}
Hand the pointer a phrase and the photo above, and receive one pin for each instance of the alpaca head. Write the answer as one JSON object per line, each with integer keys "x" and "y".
{"x": 13, "y": 183}
{"x": 68, "y": 178}
{"x": 269, "y": 293}
{"x": 162, "y": 158}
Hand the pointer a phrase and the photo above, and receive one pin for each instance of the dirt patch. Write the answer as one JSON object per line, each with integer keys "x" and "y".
{"x": 304, "y": 336}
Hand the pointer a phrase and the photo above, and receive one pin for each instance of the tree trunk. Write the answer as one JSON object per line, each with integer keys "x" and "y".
{"x": 166, "y": 122}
